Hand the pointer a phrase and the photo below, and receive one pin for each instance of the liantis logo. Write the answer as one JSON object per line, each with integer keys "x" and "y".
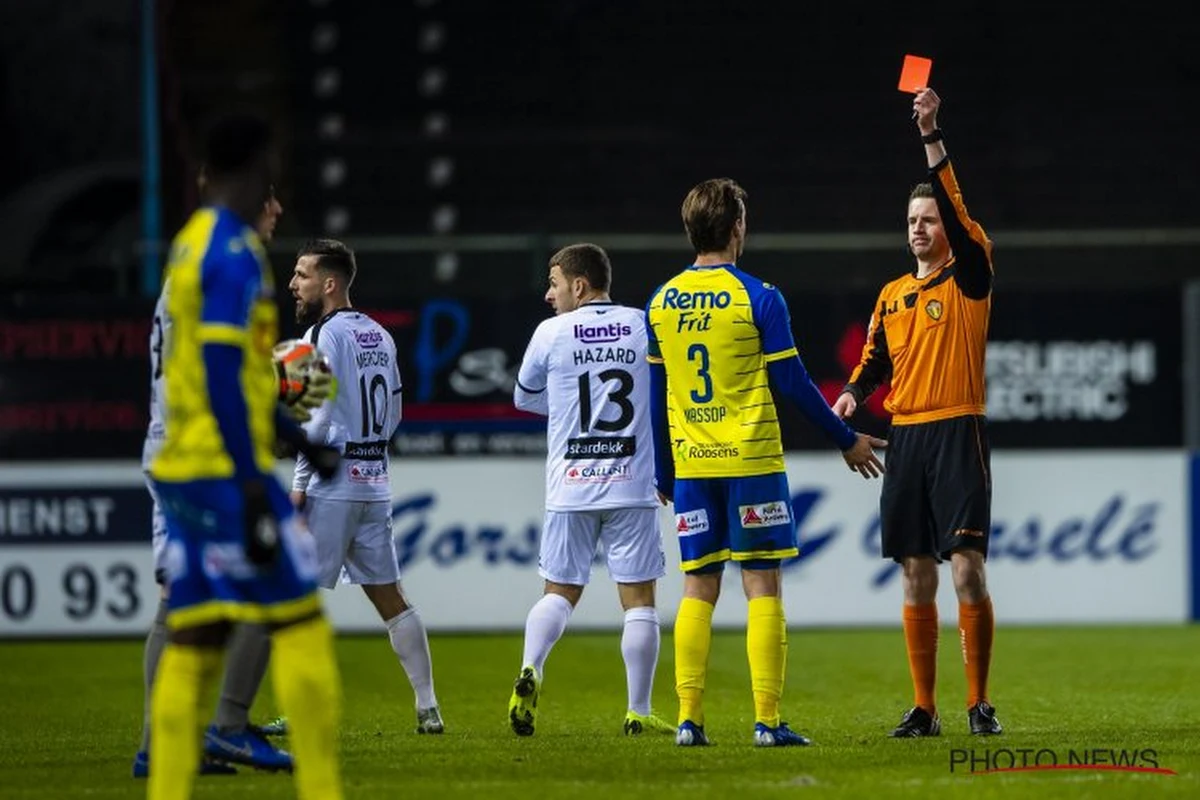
{"x": 601, "y": 334}
{"x": 368, "y": 340}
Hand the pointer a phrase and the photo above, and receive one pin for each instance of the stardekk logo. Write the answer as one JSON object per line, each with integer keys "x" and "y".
{"x": 692, "y": 522}
{"x": 602, "y": 334}
{"x": 765, "y": 515}
{"x": 600, "y": 447}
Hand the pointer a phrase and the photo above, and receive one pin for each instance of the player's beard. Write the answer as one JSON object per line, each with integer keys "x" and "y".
{"x": 307, "y": 312}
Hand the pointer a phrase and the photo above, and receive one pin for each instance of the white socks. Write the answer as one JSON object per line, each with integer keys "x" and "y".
{"x": 639, "y": 647}
{"x": 543, "y": 627}
{"x": 411, "y": 643}
{"x": 640, "y": 642}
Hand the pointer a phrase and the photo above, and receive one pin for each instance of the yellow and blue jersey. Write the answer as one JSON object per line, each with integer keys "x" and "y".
{"x": 716, "y": 329}
{"x": 221, "y": 404}
{"x": 219, "y": 290}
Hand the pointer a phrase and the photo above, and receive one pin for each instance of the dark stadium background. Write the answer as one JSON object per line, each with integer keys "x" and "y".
{"x": 456, "y": 145}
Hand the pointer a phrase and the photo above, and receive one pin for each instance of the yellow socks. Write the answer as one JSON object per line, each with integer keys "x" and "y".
{"x": 766, "y": 646}
{"x": 305, "y": 675}
{"x": 693, "y": 640}
{"x": 178, "y": 705}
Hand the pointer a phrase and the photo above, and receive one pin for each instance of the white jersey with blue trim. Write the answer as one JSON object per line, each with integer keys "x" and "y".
{"x": 586, "y": 371}
{"x": 360, "y": 420}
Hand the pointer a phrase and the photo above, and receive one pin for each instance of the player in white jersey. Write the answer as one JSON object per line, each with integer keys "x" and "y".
{"x": 230, "y": 737}
{"x": 585, "y": 369}
{"x": 351, "y": 515}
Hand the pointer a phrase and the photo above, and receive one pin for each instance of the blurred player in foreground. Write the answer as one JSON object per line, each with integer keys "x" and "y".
{"x": 350, "y": 513}
{"x": 230, "y": 737}
{"x": 585, "y": 369}
{"x": 928, "y": 335}
{"x": 719, "y": 338}
{"x": 236, "y": 551}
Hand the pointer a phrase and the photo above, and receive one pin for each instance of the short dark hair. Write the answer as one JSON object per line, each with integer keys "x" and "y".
{"x": 333, "y": 256}
{"x": 920, "y": 190}
{"x": 587, "y": 261}
{"x": 710, "y": 211}
{"x": 233, "y": 142}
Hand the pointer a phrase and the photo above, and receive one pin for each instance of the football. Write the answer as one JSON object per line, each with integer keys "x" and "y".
{"x": 302, "y": 370}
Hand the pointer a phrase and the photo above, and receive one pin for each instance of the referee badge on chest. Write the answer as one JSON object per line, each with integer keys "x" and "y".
{"x": 934, "y": 309}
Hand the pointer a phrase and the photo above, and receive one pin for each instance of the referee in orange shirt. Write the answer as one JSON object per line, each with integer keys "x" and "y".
{"x": 927, "y": 336}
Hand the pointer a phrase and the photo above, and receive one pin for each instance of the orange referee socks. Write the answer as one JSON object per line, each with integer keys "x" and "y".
{"x": 921, "y": 640}
{"x": 976, "y": 628}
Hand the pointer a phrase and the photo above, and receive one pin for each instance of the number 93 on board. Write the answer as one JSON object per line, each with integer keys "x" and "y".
{"x": 76, "y": 590}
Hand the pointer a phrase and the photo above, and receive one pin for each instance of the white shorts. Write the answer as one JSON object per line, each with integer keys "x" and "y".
{"x": 628, "y": 539}
{"x": 356, "y": 535}
{"x": 158, "y": 535}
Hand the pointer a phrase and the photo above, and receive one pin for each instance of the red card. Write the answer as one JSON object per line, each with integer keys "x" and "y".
{"x": 914, "y": 75}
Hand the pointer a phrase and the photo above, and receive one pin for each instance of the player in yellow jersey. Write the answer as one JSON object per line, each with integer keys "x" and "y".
{"x": 236, "y": 551}
{"x": 231, "y": 737}
{"x": 718, "y": 339}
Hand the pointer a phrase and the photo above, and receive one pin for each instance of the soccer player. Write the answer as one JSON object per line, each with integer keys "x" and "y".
{"x": 350, "y": 514}
{"x": 236, "y": 551}
{"x": 927, "y": 335}
{"x": 231, "y": 737}
{"x": 585, "y": 370}
{"x": 716, "y": 335}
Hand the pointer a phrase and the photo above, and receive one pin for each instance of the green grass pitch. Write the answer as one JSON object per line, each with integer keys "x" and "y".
{"x": 71, "y": 713}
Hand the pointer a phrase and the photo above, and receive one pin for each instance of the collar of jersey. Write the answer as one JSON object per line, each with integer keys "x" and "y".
{"x": 330, "y": 315}
{"x": 933, "y": 274}
{"x": 591, "y": 303}
{"x": 714, "y": 266}
{"x": 220, "y": 210}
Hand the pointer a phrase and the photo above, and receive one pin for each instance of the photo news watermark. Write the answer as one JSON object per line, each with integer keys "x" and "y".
{"x": 972, "y": 761}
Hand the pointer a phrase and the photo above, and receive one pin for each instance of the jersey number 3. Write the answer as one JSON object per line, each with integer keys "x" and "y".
{"x": 618, "y": 396}
{"x": 699, "y": 352}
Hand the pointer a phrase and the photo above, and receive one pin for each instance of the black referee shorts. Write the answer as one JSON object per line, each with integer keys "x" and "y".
{"x": 937, "y": 489}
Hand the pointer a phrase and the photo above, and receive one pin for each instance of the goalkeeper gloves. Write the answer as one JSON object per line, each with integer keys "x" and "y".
{"x": 305, "y": 378}
{"x": 318, "y": 390}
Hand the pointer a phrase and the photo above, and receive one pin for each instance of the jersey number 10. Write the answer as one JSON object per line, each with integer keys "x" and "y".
{"x": 373, "y": 407}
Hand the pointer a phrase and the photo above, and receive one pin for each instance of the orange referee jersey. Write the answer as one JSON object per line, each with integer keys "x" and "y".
{"x": 928, "y": 336}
